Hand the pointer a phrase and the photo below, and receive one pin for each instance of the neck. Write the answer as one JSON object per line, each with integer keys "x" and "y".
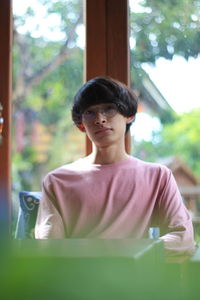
{"x": 107, "y": 155}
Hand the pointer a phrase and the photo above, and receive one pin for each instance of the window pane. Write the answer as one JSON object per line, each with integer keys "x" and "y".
{"x": 165, "y": 48}
{"x": 47, "y": 71}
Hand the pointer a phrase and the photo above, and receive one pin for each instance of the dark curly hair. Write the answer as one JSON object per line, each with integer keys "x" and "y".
{"x": 104, "y": 90}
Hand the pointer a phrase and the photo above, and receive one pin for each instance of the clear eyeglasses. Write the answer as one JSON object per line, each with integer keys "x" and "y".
{"x": 108, "y": 110}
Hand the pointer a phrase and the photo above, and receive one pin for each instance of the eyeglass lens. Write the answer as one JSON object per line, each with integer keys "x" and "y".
{"x": 107, "y": 110}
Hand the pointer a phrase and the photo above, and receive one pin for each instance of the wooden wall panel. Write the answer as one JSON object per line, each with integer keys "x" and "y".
{"x": 5, "y": 99}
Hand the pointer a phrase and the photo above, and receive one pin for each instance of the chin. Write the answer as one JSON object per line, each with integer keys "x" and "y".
{"x": 105, "y": 143}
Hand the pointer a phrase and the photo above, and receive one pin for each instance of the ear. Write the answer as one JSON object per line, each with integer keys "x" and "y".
{"x": 81, "y": 127}
{"x": 130, "y": 119}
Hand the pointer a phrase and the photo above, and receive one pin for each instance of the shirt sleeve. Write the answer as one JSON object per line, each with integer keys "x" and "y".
{"x": 49, "y": 222}
{"x": 176, "y": 220}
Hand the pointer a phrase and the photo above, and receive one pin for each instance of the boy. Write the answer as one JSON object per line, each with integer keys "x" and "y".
{"x": 110, "y": 194}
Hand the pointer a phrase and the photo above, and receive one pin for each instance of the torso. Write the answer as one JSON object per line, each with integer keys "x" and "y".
{"x": 107, "y": 201}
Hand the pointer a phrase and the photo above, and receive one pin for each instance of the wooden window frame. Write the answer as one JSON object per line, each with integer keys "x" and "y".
{"x": 5, "y": 99}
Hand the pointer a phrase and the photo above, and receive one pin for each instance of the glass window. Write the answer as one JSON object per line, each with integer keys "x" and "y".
{"x": 47, "y": 71}
{"x": 165, "y": 48}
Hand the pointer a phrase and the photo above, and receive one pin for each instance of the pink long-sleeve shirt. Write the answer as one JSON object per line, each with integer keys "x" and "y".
{"x": 120, "y": 200}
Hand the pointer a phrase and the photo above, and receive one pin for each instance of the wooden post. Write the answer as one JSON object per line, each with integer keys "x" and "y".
{"x": 107, "y": 43}
{"x": 5, "y": 99}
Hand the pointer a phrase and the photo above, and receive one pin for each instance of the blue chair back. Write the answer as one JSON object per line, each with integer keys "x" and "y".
{"x": 29, "y": 202}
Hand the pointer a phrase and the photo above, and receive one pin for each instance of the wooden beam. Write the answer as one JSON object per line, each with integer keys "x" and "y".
{"x": 95, "y": 53}
{"x": 5, "y": 99}
{"x": 107, "y": 44}
{"x": 117, "y": 39}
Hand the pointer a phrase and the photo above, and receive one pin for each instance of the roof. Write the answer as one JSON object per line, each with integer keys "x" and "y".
{"x": 177, "y": 166}
{"x": 149, "y": 95}
{"x": 174, "y": 163}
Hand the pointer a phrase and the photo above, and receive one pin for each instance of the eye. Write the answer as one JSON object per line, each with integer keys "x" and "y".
{"x": 88, "y": 113}
{"x": 110, "y": 108}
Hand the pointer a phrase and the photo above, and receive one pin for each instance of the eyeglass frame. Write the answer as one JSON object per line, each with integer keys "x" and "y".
{"x": 101, "y": 110}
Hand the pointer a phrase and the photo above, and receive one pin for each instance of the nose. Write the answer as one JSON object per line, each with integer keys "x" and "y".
{"x": 100, "y": 118}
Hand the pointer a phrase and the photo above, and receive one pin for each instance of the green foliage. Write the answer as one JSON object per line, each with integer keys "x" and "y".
{"x": 179, "y": 138}
{"x": 166, "y": 28}
{"x": 183, "y": 135}
{"x": 53, "y": 96}
{"x": 48, "y": 100}
{"x": 168, "y": 116}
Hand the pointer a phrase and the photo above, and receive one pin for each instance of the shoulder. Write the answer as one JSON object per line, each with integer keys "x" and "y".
{"x": 155, "y": 174}
{"x": 150, "y": 171}
{"x": 63, "y": 171}
{"x": 150, "y": 166}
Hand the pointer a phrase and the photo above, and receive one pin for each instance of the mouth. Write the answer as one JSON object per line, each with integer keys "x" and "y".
{"x": 103, "y": 130}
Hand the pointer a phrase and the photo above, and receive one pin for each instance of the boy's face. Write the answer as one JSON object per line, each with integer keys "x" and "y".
{"x": 104, "y": 124}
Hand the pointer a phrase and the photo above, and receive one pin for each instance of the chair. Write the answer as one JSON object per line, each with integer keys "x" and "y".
{"x": 29, "y": 202}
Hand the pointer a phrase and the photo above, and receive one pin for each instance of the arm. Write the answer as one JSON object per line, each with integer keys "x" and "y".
{"x": 49, "y": 223}
{"x": 175, "y": 219}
